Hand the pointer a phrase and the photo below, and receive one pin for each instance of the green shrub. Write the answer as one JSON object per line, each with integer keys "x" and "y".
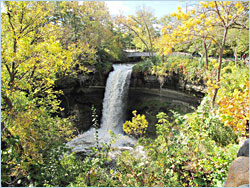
{"x": 147, "y": 64}
{"x": 193, "y": 150}
{"x": 143, "y": 66}
{"x": 189, "y": 68}
{"x": 187, "y": 153}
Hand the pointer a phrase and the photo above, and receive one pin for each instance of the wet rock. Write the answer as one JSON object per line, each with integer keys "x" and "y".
{"x": 85, "y": 80}
{"x": 197, "y": 88}
{"x": 67, "y": 84}
{"x": 116, "y": 153}
{"x": 79, "y": 104}
{"x": 137, "y": 152}
{"x": 86, "y": 90}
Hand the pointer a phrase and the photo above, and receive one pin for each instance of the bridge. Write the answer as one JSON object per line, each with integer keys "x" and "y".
{"x": 138, "y": 54}
{"x": 134, "y": 54}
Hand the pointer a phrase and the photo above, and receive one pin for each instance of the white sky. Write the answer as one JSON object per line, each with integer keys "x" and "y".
{"x": 160, "y": 8}
{"x": 2, "y": 7}
{"x": 117, "y": 7}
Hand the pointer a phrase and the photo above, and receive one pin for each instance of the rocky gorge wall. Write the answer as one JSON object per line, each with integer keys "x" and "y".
{"x": 174, "y": 82}
{"x": 83, "y": 92}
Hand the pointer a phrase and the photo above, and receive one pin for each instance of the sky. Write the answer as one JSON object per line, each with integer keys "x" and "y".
{"x": 160, "y": 8}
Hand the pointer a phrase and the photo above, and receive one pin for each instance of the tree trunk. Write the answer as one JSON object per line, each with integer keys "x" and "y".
{"x": 206, "y": 55}
{"x": 235, "y": 56}
{"x": 220, "y": 62}
{"x": 150, "y": 41}
{"x": 202, "y": 55}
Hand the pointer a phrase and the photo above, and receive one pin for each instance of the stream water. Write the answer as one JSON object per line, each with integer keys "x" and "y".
{"x": 114, "y": 106}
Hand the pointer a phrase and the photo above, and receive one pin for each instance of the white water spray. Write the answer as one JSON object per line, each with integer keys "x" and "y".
{"x": 114, "y": 105}
{"x": 115, "y": 98}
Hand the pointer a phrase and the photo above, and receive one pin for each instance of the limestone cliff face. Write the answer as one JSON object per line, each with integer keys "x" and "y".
{"x": 145, "y": 96}
{"x": 174, "y": 81}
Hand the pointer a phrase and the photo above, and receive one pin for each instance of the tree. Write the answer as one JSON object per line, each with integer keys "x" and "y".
{"x": 238, "y": 40}
{"x": 142, "y": 26}
{"x": 31, "y": 58}
{"x": 227, "y": 15}
{"x": 192, "y": 27}
{"x": 201, "y": 23}
{"x": 87, "y": 24}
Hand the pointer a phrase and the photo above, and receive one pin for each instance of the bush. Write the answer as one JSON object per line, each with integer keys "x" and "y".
{"x": 137, "y": 127}
{"x": 193, "y": 150}
{"x": 211, "y": 125}
{"x": 143, "y": 66}
{"x": 189, "y": 68}
{"x": 233, "y": 99}
{"x": 185, "y": 152}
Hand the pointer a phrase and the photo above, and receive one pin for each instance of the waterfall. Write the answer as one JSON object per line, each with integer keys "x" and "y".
{"x": 115, "y": 98}
{"x": 114, "y": 106}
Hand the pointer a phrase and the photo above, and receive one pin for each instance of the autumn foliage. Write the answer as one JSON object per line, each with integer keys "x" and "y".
{"x": 234, "y": 109}
{"x": 137, "y": 127}
{"x": 44, "y": 41}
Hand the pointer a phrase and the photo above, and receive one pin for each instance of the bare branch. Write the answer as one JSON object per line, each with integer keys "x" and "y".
{"x": 218, "y": 13}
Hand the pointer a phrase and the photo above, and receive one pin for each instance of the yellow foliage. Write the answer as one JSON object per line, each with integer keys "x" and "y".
{"x": 225, "y": 3}
{"x": 234, "y": 110}
{"x": 204, "y": 4}
{"x": 202, "y": 16}
{"x": 169, "y": 26}
{"x": 178, "y": 16}
{"x": 198, "y": 21}
{"x": 216, "y": 65}
{"x": 34, "y": 65}
{"x": 137, "y": 126}
{"x": 214, "y": 61}
{"x": 212, "y": 4}
{"x": 173, "y": 14}
{"x": 237, "y": 5}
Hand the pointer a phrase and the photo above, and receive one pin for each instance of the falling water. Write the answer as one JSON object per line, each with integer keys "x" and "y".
{"x": 115, "y": 98}
{"x": 114, "y": 105}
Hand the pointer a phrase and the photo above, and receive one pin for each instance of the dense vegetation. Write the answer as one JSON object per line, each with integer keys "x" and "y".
{"x": 45, "y": 41}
